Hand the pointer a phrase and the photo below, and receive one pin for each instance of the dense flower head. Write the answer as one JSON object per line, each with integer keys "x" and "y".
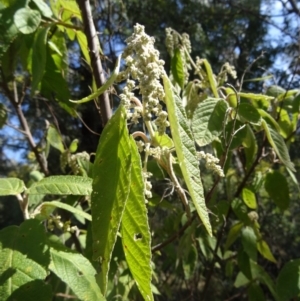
{"x": 143, "y": 71}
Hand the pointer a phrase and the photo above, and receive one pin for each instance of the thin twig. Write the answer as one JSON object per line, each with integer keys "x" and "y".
{"x": 86, "y": 124}
{"x": 14, "y": 100}
{"x": 94, "y": 50}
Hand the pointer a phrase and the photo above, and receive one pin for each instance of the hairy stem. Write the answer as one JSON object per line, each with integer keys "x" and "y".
{"x": 94, "y": 50}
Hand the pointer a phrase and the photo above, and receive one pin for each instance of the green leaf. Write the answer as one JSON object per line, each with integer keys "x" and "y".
{"x": 249, "y": 198}
{"x": 27, "y": 20}
{"x": 62, "y": 185}
{"x": 211, "y": 78}
{"x": 43, "y": 8}
{"x": 208, "y": 120}
{"x": 279, "y": 146}
{"x": 288, "y": 281}
{"x": 24, "y": 256}
{"x": 233, "y": 234}
{"x": 177, "y": 68}
{"x": 244, "y": 263}
{"x": 162, "y": 140}
{"x": 240, "y": 210}
{"x": 38, "y": 58}
{"x": 189, "y": 262}
{"x": 136, "y": 238}
{"x": 77, "y": 272}
{"x": 255, "y": 293}
{"x": 250, "y": 146}
{"x": 3, "y": 115}
{"x": 104, "y": 87}
{"x": 186, "y": 152}
{"x": 81, "y": 38}
{"x": 249, "y": 242}
{"x": 239, "y": 133}
{"x": 265, "y": 251}
{"x": 259, "y": 273}
{"x": 43, "y": 211}
{"x": 11, "y": 186}
{"x": 249, "y": 113}
{"x": 277, "y": 187}
{"x": 269, "y": 119}
{"x": 55, "y": 139}
{"x": 275, "y": 91}
{"x": 256, "y": 97}
{"x": 111, "y": 187}
{"x": 52, "y": 79}
{"x": 32, "y": 291}
{"x": 8, "y": 29}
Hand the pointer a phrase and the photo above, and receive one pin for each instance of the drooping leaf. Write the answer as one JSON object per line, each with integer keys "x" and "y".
{"x": 136, "y": 238}
{"x": 27, "y": 20}
{"x": 111, "y": 185}
{"x": 208, "y": 120}
{"x": 233, "y": 234}
{"x": 177, "y": 68}
{"x": 43, "y": 211}
{"x": 249, "y": 113}
{"x": 277, "y": 187}
{"x": 11, "y": 186}
{"x": 250, "y": 146}
{"x": 211, "y": 78}
{"x": 24, "y": 256}
{"x": 259, "y": 273}
{"x": 249, "y": 198}
{"x": 186, "y": 152}
{"x": 77, "y": 272}
{"x": 288, "y": 281}
{"x": 55, "y": 139}
{"x": 249, "y": 242}
{"x": 81, "y": 38}
{"x": 39, "y": 57}
{"x": 279, "y": 146}
{"x": 269, "y": 119}
{"x": 243, "y": 260}
{"x": 264, "y": 249}
{"x": 62, "y": 185}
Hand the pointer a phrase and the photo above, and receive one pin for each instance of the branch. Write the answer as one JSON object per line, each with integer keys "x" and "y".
{"x": 94, "y": 50}
{"x": 16, "y": 103}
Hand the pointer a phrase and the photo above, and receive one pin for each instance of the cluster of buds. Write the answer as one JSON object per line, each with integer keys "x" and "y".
{"x": 54, "y": 222}
{"x": 226, "y": 70}
{"x": 143, "y": 71}
{"x": 66, "y": 158}
{"x": 182, "y": 42}
{"x": 211, "y": 163}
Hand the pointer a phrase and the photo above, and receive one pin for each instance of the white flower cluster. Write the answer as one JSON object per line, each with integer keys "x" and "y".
{"x": 211, "y": 163}
{"x": 145, "y": 69}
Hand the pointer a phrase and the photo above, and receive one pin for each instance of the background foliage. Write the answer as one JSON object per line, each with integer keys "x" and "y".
{"x": 253, "y": 210}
